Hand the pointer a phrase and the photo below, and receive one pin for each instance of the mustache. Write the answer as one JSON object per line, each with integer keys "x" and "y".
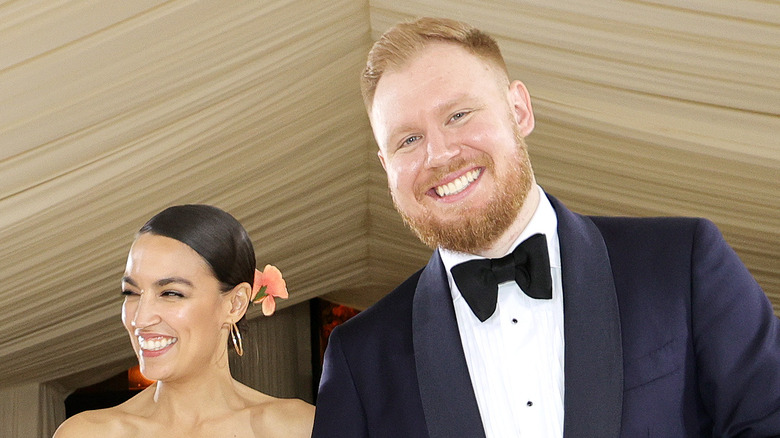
{"x": 438, "y": 174}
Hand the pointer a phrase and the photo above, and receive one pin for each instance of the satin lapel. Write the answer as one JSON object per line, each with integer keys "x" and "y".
{"x": 593, "y": 363}
{"x": 448, "y": 399}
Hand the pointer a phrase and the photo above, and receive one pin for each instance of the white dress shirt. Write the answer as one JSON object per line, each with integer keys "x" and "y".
{"x": 515, "y": 357}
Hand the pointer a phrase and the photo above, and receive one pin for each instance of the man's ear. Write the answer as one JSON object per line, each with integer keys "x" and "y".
{"x": 239, "y": 299}
{"x": 521, "y": 107}
{"x": 382, "y": 159}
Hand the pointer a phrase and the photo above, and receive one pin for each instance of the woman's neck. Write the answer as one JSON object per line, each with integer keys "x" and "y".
{"x": 190, "y": 400}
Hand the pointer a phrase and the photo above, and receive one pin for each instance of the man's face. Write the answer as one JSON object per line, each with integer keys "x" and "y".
{"x": 449, "y": 129}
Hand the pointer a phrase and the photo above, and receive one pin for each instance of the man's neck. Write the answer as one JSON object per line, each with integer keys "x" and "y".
{"x": 505, "y": 242}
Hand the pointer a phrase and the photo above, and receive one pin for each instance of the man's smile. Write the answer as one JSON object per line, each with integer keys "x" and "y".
{"x": 458, "y": 184}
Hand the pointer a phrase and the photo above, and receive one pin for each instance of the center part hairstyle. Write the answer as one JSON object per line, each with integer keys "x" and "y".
{"x": 214, "y": 234}
{"x": 404, "y": 40}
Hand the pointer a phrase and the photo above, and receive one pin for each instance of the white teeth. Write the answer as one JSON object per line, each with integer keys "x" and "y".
{"x": 155, "y": 344}
{"x": 459, "y": 184}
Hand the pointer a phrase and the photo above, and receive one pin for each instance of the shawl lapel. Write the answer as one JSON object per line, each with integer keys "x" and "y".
{"x": 448, "y": 399}
{"x": 593, "y": 362}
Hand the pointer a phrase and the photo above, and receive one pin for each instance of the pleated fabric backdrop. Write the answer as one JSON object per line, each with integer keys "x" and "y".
{"x": 111, "y": 111}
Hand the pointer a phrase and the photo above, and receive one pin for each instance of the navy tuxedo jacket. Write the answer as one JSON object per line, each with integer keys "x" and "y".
{"x": 666, "y": 335}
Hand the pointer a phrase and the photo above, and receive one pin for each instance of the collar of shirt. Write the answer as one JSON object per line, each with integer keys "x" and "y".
{"x": 515, "y": 357}
{"x": 543, "y": 221}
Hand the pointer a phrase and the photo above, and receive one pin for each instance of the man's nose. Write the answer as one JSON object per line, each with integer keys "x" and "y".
{"x": 440, "y": 148}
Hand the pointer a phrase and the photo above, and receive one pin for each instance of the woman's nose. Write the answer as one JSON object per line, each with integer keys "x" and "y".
{"x": 145, "y": 313}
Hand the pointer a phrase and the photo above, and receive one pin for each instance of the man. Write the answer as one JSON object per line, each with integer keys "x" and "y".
{"x": 589, "y": 327}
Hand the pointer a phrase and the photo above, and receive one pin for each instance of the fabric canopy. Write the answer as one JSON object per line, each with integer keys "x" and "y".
{"x": 111, "y": 111}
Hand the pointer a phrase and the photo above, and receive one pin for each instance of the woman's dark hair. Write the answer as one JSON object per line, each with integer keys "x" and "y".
{"x": 214, "y": 234}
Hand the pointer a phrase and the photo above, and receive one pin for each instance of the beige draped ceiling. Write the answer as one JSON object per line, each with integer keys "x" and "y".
{"x": 113, "y": 110}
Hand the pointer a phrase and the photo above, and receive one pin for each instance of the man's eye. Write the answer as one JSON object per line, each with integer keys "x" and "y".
{"x": 459, "y": 115}
{"x": 410, "y": 140}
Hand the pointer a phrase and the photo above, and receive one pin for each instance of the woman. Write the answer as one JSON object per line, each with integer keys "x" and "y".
{"x": 189, "y": 278}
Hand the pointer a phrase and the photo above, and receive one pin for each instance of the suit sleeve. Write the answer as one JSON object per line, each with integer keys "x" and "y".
{"x": 736, "y": 341}
{"x": 339, "y": 410}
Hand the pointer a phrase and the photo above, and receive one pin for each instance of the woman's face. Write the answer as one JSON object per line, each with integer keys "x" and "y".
{"x": 174, "y": 312}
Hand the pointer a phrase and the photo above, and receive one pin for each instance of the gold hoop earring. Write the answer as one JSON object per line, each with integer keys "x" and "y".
{"x": 238, "y": 343}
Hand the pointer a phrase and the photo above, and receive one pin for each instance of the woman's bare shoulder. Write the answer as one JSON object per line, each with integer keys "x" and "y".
{"x": 118, "y": 421}
{"x": 101, "y": 422}
{"x": 281, "y": 417}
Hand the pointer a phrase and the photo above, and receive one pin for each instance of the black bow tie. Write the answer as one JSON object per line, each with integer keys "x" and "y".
{"x": 528, "y": 265}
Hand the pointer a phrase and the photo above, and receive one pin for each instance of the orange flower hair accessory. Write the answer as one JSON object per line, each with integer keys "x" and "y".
{"x": 268, "y": 285}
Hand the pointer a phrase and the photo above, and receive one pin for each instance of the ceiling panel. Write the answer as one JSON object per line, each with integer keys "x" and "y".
{"x": 110, "y": 112}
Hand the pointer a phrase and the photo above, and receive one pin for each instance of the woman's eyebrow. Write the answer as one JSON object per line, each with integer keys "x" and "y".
{"x": 169, "y": 280}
